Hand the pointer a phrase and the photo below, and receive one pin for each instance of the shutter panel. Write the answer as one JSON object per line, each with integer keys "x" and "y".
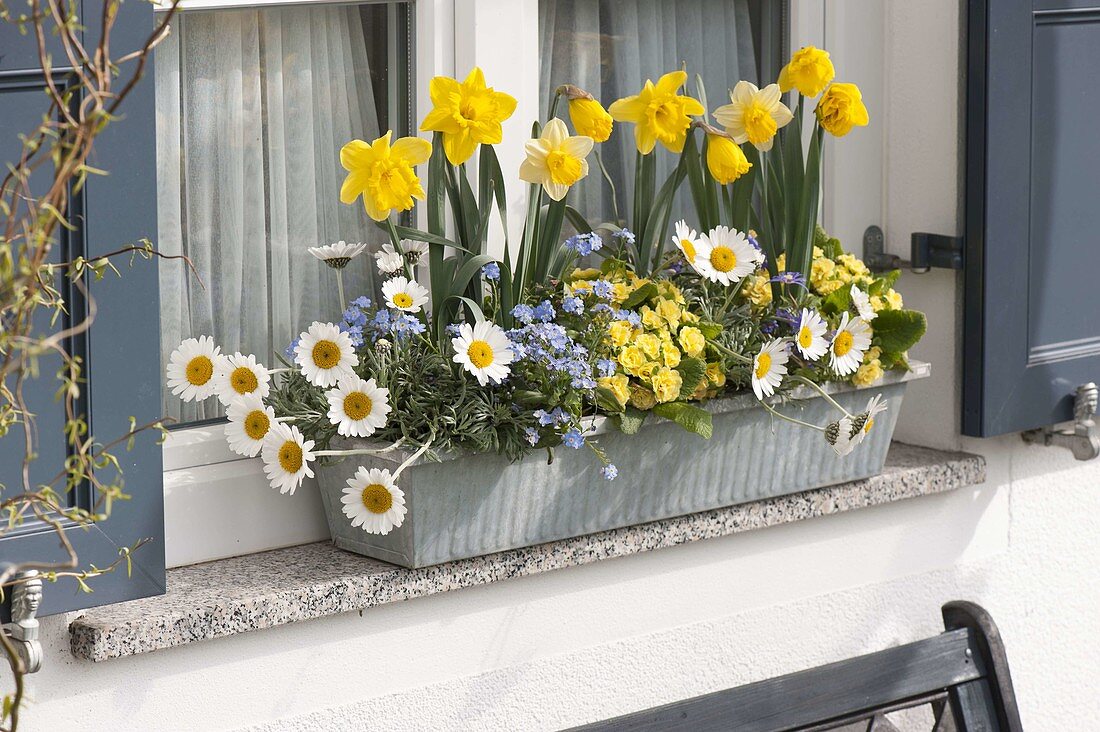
{"x": 121, "y": 350}
{"x": 1032, "y": 317}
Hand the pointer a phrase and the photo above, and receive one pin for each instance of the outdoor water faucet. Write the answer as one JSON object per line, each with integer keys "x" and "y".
{"x": 26, "y": 597}
{"x": 1083, "y": 440}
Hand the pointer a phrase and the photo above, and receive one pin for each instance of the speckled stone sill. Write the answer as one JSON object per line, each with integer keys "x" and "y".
{"x": 300, "y": 583}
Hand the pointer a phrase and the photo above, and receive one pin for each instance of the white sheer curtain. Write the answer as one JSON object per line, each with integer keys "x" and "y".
{"x": 610, "y": 47}
{"x": 252, "y": 108}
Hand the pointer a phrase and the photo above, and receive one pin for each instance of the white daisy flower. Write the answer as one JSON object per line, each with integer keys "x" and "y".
{"x": 866, "y": 420}
{"x": 358, "y": 407}
{"x": 725, "y": 255}
{"x": 250, "y": 421}
{"x": 401, "y": 294}
{"x": 852, "y": 339}
{"x": 863, "y": 304}
{"x": 839, "y": 436}
{"x": 810, "y": 337}
{"x": 373, "y": 501}
{"x": 339, "y": 254}
{"x": 237, "y": 375}
{"x": 325, "y": 354}
{"x": 483, "y": 350}
{"x": 191, "y": 368}
{"x": 769, "y": 367}
{"x": 287, "y": 455}
{"x": 414, "y": 250}
{"x": 686, "y": 240}
{"x": 389, "y": 261}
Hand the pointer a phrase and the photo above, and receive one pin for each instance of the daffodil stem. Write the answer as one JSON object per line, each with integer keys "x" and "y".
{"x": 610, "y": 185}
{"x": 396, "y": 239}
{"x": 554, "y": 105}
{"x": 822, "y": 392}
{"x": 792, "y": 420}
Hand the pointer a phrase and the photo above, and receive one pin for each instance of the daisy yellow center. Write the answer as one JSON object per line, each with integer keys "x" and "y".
{"x": 843, "y": 343}
{"x": 377, "y": 498}
{"x": 199, "y": 370}
{"x": 357, "y": 405}
{"x": 243, "y": 380}
{"x": 290, "y": 456}
{"x": 689, "y": 249}
{"x": 256, "y": 424}
{"x": 760, "y": 126}
{"x": 723, "y": 259}
{"x": 870, "y": 423}
{"x": 326, "y": 354}
{"x": 480, "y": 353}
{"x": 564, "y": 168}
{"x": 763, "y": 365}
{"x": 805, "y": 337}
{"x": 402, "y": 300}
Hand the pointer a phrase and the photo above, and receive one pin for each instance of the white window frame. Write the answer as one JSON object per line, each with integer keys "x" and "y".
{"x": 218, "y": 504}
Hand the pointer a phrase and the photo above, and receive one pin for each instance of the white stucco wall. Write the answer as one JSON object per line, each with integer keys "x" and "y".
{"x": 585, "y": 643}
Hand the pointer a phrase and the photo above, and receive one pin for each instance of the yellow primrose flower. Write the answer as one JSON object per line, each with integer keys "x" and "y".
{"x": 725, "y": 160}
{"x": 873, "y": 353}
{"x": 632, "y": 358}
{"x": 689, "y": 317}
{"x": 666, "y": 385}
{"x": 754, "y": 114}
{"x": 618, "y": 385}
{"x": 589, "y": 118}
{"x": 669, "y": 291}
{"x": 670, "y": 311}
{"x": 620, "y": 291}
{"x": 692, "y": 340}
{"x": 715, "y": 374}
{"x": 659, "y": 113}
{"x": 382, "y": 174}
{"x": 650, "y": 318}
{"x": 841, "y": 108}
{"x": 670, "y": 355}
{"x": 821, "y": 270}
{"x": 868, "y": 373}
{"x": 642, "y": 398}
{"x": 809, "y": 71}
{"x": 649, "y": 343}
{"x": 893, "y": 299}
{"x": 621, "y": 332}
{"x": 556, "y": 160}
{"x": 818, "y": 252}
{"x": 758, "y": 290}
{"x": 468, "y": 114}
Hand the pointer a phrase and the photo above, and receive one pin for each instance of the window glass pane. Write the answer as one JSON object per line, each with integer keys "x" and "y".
{"x": 252, "y": 108}
{"x": 610, "y": 47}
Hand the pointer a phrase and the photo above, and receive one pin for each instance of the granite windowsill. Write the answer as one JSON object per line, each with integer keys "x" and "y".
{"x": 272, "y": 588}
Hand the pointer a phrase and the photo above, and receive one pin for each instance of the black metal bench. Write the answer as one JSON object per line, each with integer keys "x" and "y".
{"x": 961, "y": 673}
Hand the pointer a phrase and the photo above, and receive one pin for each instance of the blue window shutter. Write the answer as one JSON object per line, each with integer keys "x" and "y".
{"x": 122, "y": 349}
{"x": 1032, "y": 316}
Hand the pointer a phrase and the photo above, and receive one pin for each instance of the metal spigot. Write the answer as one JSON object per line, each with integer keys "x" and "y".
{"x": 1083, "y": 440}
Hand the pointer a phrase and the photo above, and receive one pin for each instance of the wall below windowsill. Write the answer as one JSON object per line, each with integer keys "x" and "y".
{"x": 258, "y": 591}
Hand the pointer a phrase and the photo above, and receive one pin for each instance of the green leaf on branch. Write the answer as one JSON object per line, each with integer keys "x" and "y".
{"x": 631, "y": 420}
{"x": 837, "y": 301}
{"x": 639, "y": 296}
{"x": 690, "y": 417}
{"x": 896, "y": 331}
{"x": 692, "y": 370}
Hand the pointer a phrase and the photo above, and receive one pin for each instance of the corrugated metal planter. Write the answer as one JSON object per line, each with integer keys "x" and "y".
{"x": 469, "y": 505}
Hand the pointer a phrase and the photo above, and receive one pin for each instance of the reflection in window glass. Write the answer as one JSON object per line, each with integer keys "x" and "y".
{"x": 610, "y": 47}
{"x": 252, "y": 109}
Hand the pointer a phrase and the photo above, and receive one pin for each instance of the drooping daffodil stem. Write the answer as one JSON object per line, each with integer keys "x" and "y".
{"x": 768, "y": 407}
{"x": 610, "y": 186}
{"x": 823, "y": 393}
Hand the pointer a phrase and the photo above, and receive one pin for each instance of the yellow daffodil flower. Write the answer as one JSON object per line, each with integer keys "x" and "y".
{"x": 556, "y": 160}
{"x": 589, "y": 118}
{"x": 754, "y": 114}
{"x": 809, "y": 71}
{"x": 725, "y": 160}
{"x": 840, "y": 109}
{"x": 383, "y": 174}
{"x": 467, "y": 113}
{"x": 659, "y": 113}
